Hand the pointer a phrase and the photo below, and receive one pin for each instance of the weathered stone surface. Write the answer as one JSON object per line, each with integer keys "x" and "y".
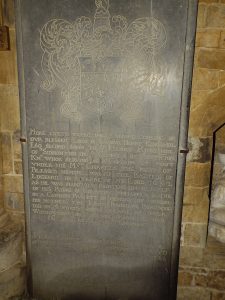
{"x": 7, "y": 156}
{"x": 196, "y": 205}
{"x": 8, "y": 13}
{"x": 205, "y": 79}
{"x": 193, "y": 294}
{"x": 191, "y": 256}
{"x": 215, "y": 16}
{"x": 10, "y": 119}
{"x": 195, "y": 235}
{"x": 8, "y": 74}
{"x": 12, "y": 282}
{"x": 197, "y": 174}
{"x": 208, "y": 38}
{"x": 221, "y": 78}
{"x": 185, "y": 278}
{"x": 216, "y": 280}
{"x": 201, "y": 15}
{"x": 13, "y": 184}
{"x": 11, "y": 239}
{"x": 201, "y": 280}
{"x": 198, "y": 97}
{"x": 17, "y": 145}
{"x": 199, "y": 149}
{"x": 211, "y": 59}
{"x": 18, "y": 168}
{"x": 218, "y": 296}
{"x": 14, "y": 201}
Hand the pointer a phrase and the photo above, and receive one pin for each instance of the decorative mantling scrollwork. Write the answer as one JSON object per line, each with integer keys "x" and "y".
{"x": 99, "y": 63}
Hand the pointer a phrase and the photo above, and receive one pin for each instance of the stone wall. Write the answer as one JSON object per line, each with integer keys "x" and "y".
{"x": 12, "y": 271}
{"x": 202, "y": 260}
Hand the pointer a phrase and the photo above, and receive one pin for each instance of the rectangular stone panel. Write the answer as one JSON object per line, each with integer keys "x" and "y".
{"x": 104, "y": 89}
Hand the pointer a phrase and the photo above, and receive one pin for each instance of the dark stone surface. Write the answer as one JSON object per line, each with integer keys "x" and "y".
{"x": 101, "y": 109}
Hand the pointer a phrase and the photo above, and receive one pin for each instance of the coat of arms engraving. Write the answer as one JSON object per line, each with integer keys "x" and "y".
{"x": 104, "y": 64}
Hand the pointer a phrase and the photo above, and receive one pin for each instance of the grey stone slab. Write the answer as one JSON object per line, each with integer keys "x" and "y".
{"x": 104, "y": 89}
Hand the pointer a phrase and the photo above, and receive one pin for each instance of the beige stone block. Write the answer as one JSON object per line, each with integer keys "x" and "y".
{"x": 12, "y": 282}
{"x": 8, "y": 74}
{"x": 198, "y": 97}
{"x": 215, "y": 16}
{"x": 222, "y": 40}
{"x": 201, "y": 15}
{"x": 211, "y": 59}
{"x": 198, "y": 174}
{"x": 18, "y": 167}
{"x": 14, "y": 202}
{"x": 221, "y": 78}
{"x": 216, "y": 279}
{"x": 9, "y": 113}
{"x": 195, "y": 293}
{"x": 196, "y": 205}
{"x": 208, "y": 1}
{"x": 13, "y": 184}
{"x": 195, "y": 235}
{"x": 185, "y": 278}
{"x": 218, "y": 296}
{"x": 17, "y": 145}
{"x": 11, "y": 241}
{"x": 7, "y": 157}
{"x": 8, "y": 13}
{"x": 191, "y": 256}
{"x": 208, "y": 38}
{"x": 201, "y": 280}
{"x": 205, "y": 79}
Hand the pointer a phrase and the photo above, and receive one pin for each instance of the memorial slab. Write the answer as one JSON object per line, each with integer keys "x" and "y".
{"x": 104, "y": 89}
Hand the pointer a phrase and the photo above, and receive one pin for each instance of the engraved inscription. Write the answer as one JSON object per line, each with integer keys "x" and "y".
{"x": 99, "y": 179}
{"x": 104, "y": 64}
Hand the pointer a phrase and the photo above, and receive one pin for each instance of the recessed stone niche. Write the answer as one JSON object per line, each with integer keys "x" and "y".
{"x": 217, "y": 207}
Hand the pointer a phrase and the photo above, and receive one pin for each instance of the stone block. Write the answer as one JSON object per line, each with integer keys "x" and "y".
{"x": 17, "y": 145}
{"x": 216, "y": 280}
{"x": 198, "y": 97}
{"x": 218, "y": 296}
{"x": 18, "y": 168}
{"x": 195, "y": 235}
{"x": 196, "y": 205}
{"x": 205, "y": 79}
{"x": 211, "y": 59}
{"x": 208, "y": 38}
{"x": 191, "y": 256}
{"x": 12, "y": 283}
{"x": 8, "y": 74}
{"x": 14, "y": 202}
{"x": 202, "y": 8}
{"x": 11, "y": 241}
{"x": 194, "y": 293}
{"x": 199, "y": 149}
{"x": 10, "y": 117}
{"x": 7, "y": 156}
{"x": 215, "y": 16}
{"x": 8, "y": 13}
{"x": 185, "y": 278}
{"x": 198, "y": 174}
{"x": 13, "y": 184}
{"x": 201, "y": 280}
{"x": 221, "y": 78}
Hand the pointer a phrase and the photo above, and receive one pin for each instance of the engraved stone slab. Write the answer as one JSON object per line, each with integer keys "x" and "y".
{"x": 104, "y": 93}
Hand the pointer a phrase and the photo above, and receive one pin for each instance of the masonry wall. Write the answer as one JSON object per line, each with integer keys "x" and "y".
{"x": 12, "y": 259}
{"x": 202, "y": 260}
